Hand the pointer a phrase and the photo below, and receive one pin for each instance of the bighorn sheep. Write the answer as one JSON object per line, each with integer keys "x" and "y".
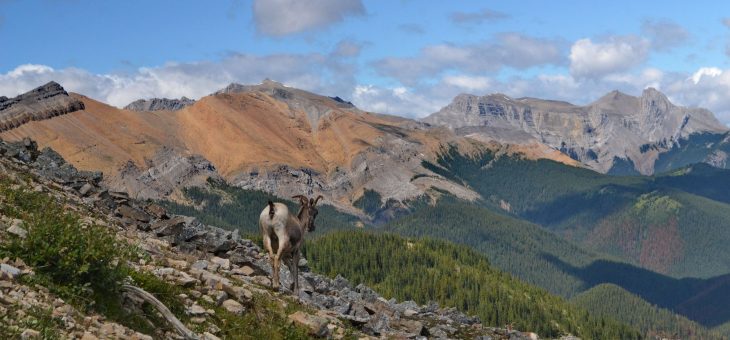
{"x": 283, "y": 235}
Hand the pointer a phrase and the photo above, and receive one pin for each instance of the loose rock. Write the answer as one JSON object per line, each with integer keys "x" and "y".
{"x": 8, "y": 272}
{"x": 30, "y": 334}
{"x": 233, "y": 306}
{"x": 223, "y": 264}
{"x": 16, "y": 228}
{"x": 316, "y": 325}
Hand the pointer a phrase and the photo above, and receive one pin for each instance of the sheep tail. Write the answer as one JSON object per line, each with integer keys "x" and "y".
{"x": 272, "y": 210}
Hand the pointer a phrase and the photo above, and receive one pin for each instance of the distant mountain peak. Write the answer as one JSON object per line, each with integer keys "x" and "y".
{"x": 282, "y": 92}
{"x": 238, "y": 87}
{"x": 614, "y": 97}
{"x": 269, "y": 82}
{"x": 160, "y": 104}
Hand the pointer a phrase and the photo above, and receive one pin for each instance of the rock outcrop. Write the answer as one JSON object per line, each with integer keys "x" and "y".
{"x": 611, "y": 129}
{"x": 159, "y": 104}
{"x": 43, "y": 102}
{"x": 49, "y": 164}
{"x": 163, "y": 174}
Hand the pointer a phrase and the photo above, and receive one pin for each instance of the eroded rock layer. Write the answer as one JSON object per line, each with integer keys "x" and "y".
{"x": 44, "y": 102}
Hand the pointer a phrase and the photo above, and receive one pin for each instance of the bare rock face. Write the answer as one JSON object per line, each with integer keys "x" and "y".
{"x": 612, "y": 128}
{"x": 49, "y": 164}
{"x": 159, "y": 104}
{"x": 44, "y": 102}
{"x": 167, "y": 171}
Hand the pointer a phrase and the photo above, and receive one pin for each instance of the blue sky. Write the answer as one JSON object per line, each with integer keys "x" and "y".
{"x": 401, "y": 57}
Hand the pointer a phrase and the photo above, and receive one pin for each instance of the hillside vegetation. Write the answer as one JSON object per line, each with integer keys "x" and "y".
{"x": 613, "y": 301}
{"x": 648, "y": 221}
{"x": 426, "y": 269}
{"x": 514, "y": 245}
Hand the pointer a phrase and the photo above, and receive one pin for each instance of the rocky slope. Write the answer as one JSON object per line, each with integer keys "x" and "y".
{"x": 44, "y": 102}
{"x": 159, "y": 104}
{"x": 222, "y": 276}
{"x": 614, "y": 131}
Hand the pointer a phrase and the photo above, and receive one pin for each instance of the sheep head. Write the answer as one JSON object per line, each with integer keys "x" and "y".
{"x": 308, "y": 211}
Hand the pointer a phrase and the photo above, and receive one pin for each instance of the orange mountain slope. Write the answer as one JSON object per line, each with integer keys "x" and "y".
{"x": 268, "y": 137}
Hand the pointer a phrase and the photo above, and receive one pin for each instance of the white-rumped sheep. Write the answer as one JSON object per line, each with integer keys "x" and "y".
{"x": 283, "y": 235}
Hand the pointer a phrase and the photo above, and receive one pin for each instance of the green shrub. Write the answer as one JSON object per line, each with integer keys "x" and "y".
{"x": 80, "y": 260}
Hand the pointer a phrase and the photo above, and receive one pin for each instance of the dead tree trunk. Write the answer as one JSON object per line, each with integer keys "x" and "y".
{"x": 164, "y": 311}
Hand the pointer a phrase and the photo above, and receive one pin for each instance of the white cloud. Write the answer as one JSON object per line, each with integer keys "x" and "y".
{"x": 26, "y": 69}
{"x": 590, "y": 59}
{"x": 707, "y": 87}
{"x": 283, "y": 17}
{"x": 398, "y": 101}
{"x": 468, "y": 83}
{"x": 705, "y": 71}
{"x": 505, "y": 50}
{"x": 649, "y": 77}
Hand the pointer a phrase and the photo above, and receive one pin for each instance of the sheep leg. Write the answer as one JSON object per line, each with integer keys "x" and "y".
{"x": 267, "y": 246}
{"x": 295, "y": 272}
{"x": 283, "y": 244}
{"x": 275, "y": 274}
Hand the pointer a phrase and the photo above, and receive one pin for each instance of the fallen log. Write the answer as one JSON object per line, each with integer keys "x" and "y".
{"x": 162, "y": 309}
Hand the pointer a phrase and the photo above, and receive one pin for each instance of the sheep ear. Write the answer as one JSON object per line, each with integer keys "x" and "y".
{"x": 317, "y": 200}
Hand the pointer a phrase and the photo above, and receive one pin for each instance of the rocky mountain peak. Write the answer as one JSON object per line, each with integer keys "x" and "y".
{"x": 499, "y": 96}
{"x": 616, "y": 102}
{"x": 43, "y": 102}
{"x": 314, "y": 105}
{"x": 652, "y": 92}
{"x": 267, "y": 85}
{"x": 613, "y": 127}
{"x": 654, "y": 100}
{"x": 271, "y": 83}
{"x": 284, "y": 93}
{"x": 159, "y": 104}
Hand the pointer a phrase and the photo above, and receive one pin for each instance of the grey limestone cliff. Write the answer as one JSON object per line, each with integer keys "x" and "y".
{"x": 611, "y": 129}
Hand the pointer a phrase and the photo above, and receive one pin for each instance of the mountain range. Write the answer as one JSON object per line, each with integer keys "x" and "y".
{"x": 618, "y": 133}
{"x": 266, "y": 136}
{"x": 629, "y": 191}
